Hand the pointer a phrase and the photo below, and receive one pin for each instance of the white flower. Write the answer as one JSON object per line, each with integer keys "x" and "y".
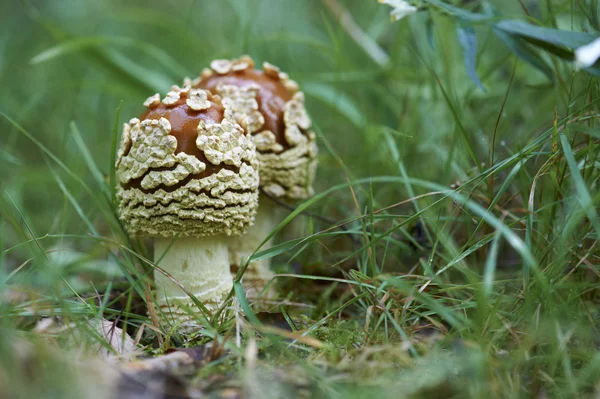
{"x": 400, "y": 8}
{"x": 586, "y": 56}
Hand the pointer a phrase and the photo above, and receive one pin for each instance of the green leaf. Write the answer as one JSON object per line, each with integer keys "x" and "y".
{"x": 561, "y": 43}
{"x": 113, "y": 153}
{"x": 583, "y": 194}
{"x": 525, "y": 52}
{"x": 156, "y": 81}
{"x": 89, "y": 160}
{"x": 278, "y": 249}
{"x": 490, "y": 265}
{"x": 429, "y": 32}
{"x": 458, "y": 12}
{"x": 99, "y": 42}
{"x": 151, "y": 78}
{"x": 557, "y": 37}
{"x": 468, "y": 41}
{"x": 594, "y": 17}
{"x": 241, "y": 297}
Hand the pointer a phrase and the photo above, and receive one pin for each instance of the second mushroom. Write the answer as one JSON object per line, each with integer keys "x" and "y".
{"x": 270, "y": 107}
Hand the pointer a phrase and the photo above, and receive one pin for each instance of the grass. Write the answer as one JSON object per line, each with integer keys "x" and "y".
{"x": 451, "y": 248}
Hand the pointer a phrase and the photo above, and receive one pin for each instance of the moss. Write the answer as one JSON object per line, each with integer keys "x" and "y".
{"x": 343, "y": 334}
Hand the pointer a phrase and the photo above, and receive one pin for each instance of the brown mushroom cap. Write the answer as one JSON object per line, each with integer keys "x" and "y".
{"x": 186, "y": 167}
{"x": 184, "y": 127}
{"x": 184, "y": 121}
{"x": 271, "y": 98}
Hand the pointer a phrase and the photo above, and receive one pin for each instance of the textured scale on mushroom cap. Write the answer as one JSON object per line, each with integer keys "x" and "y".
{"x": 186, "y": 167}
{"x": 268, "y": 105}
{"x": 150, "y": 147}
{"x": 242, "y": 101}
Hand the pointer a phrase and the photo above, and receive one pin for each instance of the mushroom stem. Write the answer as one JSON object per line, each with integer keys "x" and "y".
{"x": 258, "y": 273}
{"x": 200, "y": 265}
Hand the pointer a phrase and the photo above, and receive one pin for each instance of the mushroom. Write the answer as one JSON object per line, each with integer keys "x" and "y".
{"x": 188, "y": 177}
{"x": 270, "y": 107}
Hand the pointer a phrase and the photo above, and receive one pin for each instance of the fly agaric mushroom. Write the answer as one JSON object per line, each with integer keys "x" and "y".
{"x": 188, "y": 177}
{"x": 270, "y": 107}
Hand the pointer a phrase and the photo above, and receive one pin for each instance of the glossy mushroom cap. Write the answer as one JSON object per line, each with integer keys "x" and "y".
{"x": 267, "y": 104}
{"x": 271, "y": 98}
{"x": 186, "y": 167}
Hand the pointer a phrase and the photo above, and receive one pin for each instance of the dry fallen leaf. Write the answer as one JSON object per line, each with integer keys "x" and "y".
{"x": 119, "y": 340}
{"x": 111, "y": 342}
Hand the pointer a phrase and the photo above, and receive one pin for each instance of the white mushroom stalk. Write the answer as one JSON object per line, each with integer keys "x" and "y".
{"x": 268, "y": 105}
{"x": 200, "y": 265}
{"x": 188, "y": 178}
